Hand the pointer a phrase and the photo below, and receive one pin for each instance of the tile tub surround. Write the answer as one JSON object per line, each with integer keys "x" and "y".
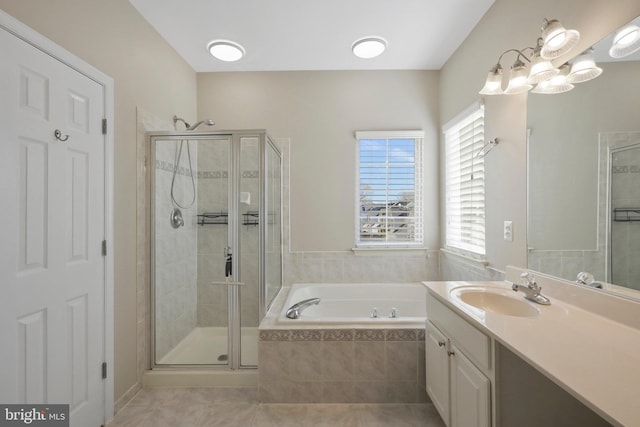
{"x": 341, "y": 366}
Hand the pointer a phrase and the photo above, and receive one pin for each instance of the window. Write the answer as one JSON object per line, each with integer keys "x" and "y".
{"x": 464, "y": 182}
{"x": 389, "y": 190}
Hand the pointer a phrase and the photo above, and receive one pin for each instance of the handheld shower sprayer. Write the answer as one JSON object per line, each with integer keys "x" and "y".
{"x": 207, "y": 122}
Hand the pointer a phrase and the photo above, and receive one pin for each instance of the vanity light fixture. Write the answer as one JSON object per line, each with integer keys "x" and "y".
{"x": 625, "y": 42}
{"x": 369, "y": 47}
{"x": 518, "y": 78}
{"x": 584, "y": 68}
{"x": 541, "y": 68}
{"x": 226, "y": 50}
{"x": 557, "y": 40}
{"x": 557, "y": 84}
{"x": 533, "y": 64}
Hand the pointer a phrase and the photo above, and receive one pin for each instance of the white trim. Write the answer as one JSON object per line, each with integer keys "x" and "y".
{"x": 47, "y": 46}
{"x": 389, "y": 134}
{"x": 462, "y": 115}
{"x": 386, "y": 250}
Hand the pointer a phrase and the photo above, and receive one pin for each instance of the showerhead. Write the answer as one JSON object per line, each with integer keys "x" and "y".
{"x": 207, "y": 122}
{"x": 176, "y": 119}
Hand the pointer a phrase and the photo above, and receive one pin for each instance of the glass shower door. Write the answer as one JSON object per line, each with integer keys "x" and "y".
{"x": 190, "y": 229}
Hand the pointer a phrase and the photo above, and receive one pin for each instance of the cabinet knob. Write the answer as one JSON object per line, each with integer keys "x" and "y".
{"x": 441, "y": 343}
{"x": 451, "y": 353}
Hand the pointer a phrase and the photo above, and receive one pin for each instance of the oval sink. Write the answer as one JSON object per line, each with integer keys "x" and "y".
{"x": 496, "y": 301}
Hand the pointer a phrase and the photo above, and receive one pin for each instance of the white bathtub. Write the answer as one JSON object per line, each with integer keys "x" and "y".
{"x": 351, "y": 305}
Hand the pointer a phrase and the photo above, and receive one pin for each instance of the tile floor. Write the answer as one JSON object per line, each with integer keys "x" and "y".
{"x": 228, "y": 407}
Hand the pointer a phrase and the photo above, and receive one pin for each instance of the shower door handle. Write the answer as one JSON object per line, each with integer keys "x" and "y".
{"x": 228, "y": 263}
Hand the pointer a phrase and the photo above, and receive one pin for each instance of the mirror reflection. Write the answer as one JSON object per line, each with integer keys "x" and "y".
{"x": 584, "y": 173}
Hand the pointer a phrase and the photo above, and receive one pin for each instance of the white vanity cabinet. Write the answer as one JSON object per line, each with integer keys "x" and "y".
{"x": 458, "y": 368}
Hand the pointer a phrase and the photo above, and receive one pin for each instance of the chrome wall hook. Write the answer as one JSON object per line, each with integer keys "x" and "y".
{"x": 59, "y": 137}
{"x": 487, "y": 147}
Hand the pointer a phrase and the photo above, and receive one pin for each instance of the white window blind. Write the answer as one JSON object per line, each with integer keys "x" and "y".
{"x": 464, "y": 182}
{"x": 389, "y": 191}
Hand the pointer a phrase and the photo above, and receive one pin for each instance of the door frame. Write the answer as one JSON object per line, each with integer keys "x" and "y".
{"x": 27, "y": 34}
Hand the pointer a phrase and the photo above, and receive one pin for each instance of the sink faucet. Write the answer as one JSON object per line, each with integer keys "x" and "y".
{"x": 296, "y": 309}
{"x": 587, "y": 279}
{"x": 530, "y": 289}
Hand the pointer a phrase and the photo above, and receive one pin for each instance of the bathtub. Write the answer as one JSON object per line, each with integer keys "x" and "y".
{"x": 336, "y": 352}
{"x": 352, "y": 304}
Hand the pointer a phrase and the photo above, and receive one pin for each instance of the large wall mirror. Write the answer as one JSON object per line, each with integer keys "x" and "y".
{"x": 583, "y": 192}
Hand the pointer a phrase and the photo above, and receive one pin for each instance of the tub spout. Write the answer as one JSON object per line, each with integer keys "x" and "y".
{"x": 296, "y": 309}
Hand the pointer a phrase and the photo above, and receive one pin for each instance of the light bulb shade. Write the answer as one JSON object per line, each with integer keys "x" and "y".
{"x": 518, "y": 79}
{"x": 541, "y": 69}
{"x": 493, "y": 84}
{"x": 625, "y": 42}
{"x": 584, "y": 68}
{"x": 369, "y": 47}
{"x": 226, "y": 50}
{"x": 556, "y": 84}
{"x": 557, "y": 40}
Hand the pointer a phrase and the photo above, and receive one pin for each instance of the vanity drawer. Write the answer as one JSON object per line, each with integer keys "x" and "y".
{"x": 475, "y": 344}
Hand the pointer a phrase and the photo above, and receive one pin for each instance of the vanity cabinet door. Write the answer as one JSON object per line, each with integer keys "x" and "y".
{"x": 437, "y": 370}
{"x": 470, "y": 393}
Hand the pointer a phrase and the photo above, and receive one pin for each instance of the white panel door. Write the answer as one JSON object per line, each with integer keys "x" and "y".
{"x": 51, "y": 228}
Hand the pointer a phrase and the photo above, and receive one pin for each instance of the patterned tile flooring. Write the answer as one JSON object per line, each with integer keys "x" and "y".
{"x": 209, "y": 407}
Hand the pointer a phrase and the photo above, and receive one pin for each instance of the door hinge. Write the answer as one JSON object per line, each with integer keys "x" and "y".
{"x": 104, "y": 370}
{"x": 104, "y": 248}
{"x": 104, "y": 126}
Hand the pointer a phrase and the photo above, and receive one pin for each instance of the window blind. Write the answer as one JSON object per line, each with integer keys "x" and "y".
{"x": 389, "y": 189}
{"x": 464, "y": 183}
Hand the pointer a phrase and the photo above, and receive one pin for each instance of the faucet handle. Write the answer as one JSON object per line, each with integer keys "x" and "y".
{"x": 529, "y": 280}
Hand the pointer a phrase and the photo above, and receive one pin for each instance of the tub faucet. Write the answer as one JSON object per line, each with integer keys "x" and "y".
{"x": 530, "y": 289}
{"x": 296, "y": 309}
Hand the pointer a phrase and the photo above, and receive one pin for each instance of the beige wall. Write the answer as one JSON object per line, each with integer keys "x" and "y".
{"x": 113, "y": 37}
{"x": 515, "y": 24}
{"x": 320, "y": 111}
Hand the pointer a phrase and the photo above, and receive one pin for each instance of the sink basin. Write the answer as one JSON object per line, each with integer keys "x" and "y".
{"x": 495, "y": 300}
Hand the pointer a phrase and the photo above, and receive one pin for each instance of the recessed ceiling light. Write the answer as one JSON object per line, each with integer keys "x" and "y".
{"x": 226, "y": 50}
{"x": 369, "y": 47}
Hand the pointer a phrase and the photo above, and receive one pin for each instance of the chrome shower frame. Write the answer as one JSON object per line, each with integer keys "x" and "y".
{"x": 234, "y": 308}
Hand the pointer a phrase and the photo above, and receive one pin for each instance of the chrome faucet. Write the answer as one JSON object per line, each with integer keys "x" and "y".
{"x": 296, "y": 309}
{"x": 530, "y": 289}
{"x": 587, "y": 279}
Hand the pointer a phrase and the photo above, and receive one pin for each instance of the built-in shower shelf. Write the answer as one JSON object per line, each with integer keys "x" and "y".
{"x": 626, "y": 214}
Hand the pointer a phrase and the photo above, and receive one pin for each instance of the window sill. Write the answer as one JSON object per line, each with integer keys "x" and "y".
{"x": 389, "y": 250}
{"x": 479, "y": 261}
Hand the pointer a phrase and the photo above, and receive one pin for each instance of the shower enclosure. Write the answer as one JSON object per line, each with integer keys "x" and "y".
{"x": 216, "y": 247}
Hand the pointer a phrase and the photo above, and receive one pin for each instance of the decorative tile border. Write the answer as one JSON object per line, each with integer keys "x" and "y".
{"x": 342, "y": 335}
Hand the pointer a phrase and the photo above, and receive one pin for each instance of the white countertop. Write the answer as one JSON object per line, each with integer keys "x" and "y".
{"x": 591, "y": 356}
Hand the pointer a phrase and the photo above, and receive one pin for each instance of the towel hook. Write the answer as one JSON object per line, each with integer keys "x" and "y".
{"x": 483, "y": 152}
{"x": 58, "y": 135}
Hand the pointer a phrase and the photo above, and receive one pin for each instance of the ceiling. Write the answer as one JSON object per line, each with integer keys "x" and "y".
{"x": 315, "y": 34}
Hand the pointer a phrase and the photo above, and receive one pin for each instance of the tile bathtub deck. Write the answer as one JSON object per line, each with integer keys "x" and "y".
{"x": 208, "y": 407}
